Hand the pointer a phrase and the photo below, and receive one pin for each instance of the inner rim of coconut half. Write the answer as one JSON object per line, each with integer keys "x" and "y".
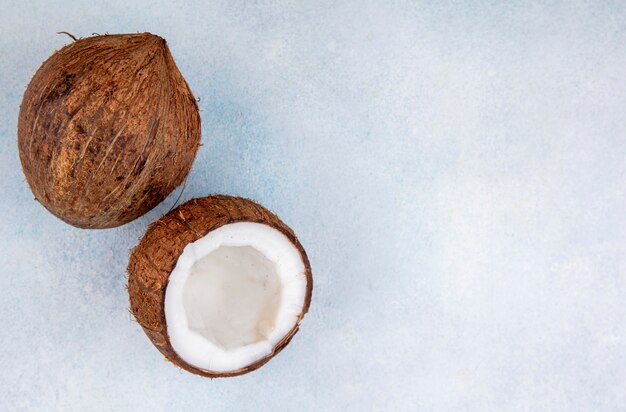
{"x": 233, "y": 295}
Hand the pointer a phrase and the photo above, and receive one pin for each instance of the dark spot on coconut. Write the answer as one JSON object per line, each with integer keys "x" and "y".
{"x": 71, "y": 114}
{"x": 63, "y": 88}
{"x": 93, "y": 149}
{"x": 140, "y": 166}
{"x": 56, "y": 128}
{"x": 80, "y": 129}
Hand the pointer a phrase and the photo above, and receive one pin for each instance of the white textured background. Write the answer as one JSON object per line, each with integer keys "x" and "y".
{"x": 456, "y": 173}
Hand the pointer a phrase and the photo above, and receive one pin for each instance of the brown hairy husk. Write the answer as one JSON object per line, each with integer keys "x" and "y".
{"x": 107, "y": 128}
{"x": 152, "y": 261}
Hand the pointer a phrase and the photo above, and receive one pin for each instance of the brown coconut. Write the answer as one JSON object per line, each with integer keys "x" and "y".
{"x": 153, "y": 260}
{"x": 107, "y": 129}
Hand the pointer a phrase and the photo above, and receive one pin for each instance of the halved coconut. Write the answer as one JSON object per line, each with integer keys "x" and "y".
{"x": 219, "y": 285}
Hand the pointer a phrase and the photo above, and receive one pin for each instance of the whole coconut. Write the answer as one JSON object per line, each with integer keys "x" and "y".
{"x": 107, "y": 129}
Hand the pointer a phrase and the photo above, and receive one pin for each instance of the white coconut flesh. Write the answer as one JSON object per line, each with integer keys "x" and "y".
{"x": 233, "y": 296}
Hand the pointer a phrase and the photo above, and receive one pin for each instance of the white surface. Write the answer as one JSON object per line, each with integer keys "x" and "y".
{"x": 289, "y": 270}
{"x": 456, "y": 173}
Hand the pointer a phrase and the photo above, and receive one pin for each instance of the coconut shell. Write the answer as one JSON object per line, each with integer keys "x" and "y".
{"x": 107, "y": 129}
{"x": 152, "y": 261}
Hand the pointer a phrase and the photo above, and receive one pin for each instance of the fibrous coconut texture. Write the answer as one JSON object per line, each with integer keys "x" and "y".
{"x": 107, "y": 129}
{"x": 219, "y": 285}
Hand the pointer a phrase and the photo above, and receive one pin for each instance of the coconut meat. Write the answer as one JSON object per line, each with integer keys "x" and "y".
{"x": 233, "y": 295}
